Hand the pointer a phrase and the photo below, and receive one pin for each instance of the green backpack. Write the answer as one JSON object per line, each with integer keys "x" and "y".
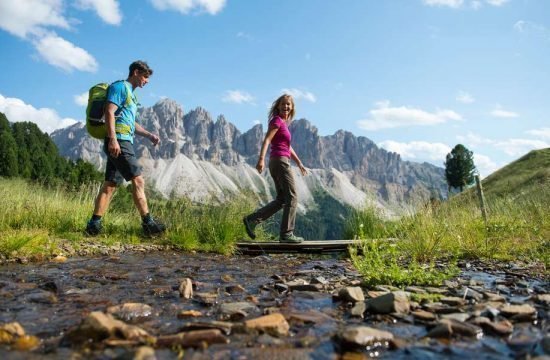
{"x": 95, "y": 111}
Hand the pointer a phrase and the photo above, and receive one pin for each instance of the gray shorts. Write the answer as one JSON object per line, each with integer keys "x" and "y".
{"x": 123, "y": 167}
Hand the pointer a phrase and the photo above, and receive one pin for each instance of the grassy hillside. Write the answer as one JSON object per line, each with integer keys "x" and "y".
{"x": 517, "y": 228}
{"x": 521, "y": 177}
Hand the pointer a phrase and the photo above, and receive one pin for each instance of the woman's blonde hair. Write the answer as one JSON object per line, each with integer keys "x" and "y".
{"x": 274, "y": 111}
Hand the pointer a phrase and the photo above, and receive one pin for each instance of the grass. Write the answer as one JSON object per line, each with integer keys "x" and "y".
{"x": 518, "y": 228}
{"x": 35, "y": 219}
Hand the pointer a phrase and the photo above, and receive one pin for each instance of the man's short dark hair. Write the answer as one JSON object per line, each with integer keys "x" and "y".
{"x": 140, "y": 66}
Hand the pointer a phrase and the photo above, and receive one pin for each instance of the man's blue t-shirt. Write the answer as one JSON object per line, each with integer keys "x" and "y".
{"x": 125, "y": 116}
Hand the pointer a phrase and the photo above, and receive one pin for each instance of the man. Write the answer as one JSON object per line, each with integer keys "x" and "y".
{"x": 120, "y": 120}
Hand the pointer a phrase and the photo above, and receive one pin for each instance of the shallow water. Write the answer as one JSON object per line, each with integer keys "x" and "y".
{"x": 49, "y": 299}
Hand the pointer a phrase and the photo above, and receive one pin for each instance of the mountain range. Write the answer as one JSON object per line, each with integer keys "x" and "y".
{"x": 205, "y": 159}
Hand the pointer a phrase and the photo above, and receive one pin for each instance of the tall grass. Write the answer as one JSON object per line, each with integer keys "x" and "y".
{"x": 518, "y": 228}
{"x": 36, "y": 218}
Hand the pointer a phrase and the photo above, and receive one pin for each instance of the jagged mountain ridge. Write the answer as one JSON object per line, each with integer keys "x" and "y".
{"x": 199, "y": 157}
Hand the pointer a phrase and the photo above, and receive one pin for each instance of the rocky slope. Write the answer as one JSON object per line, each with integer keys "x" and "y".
{"x": 202, "y": 158}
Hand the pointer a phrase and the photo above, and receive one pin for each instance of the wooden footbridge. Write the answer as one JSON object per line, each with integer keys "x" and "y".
{"x": 308, "y": 246}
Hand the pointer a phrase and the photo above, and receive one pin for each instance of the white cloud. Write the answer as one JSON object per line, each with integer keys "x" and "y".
{"x": 531, "y": 28}
{"x": 244, "y": 35}
{"x": 543, "y": 133}
{"x": 450, "y": 3}
{"x": 418, "y": 150}
{"x": 47, "y": 119}
{"x": 107, "y": 10}
{"x": 186, "y": 6}
{"x": 237, "y": 97}
{"x": 81, "y": 99}
{"x": 496, "y": 2}
{"x": 499, "y": 112}
{"x": 464, "y": 97}
{"x": 64, "y": 54}
{"x": 484, "y": 165}
{"x": 30, "y": 17}
{"x": 31, "y": 20}
{"x": 474, "y": 140}
{"x": 386, "y": 117}
{"x": 455, "y": 4}
{"x": 299, "y": 94}
{"x": 519, "y": 147}
{"x": 513, "y": 147}
{"x": 476, "y": 4}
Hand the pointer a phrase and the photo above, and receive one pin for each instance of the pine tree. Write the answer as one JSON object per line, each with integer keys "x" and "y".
{"x": 459, "y": 167}
{"x": 8, "y": 154}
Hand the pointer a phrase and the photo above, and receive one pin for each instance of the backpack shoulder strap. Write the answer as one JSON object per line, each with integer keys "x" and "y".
{"x": 130, "y": 96}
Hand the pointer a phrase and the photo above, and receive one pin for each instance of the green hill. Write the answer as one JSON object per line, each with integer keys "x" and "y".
{"x": 525, "y": 176}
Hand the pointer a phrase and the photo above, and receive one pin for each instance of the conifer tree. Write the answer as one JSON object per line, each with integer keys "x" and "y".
{"x": 459, "y": 167}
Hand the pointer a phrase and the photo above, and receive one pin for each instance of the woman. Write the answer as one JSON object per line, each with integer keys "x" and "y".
{"x": 278, "y": 135}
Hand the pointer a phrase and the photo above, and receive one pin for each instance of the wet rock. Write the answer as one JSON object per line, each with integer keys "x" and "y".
{"x": 227, "y": 278}
{"x": 360, "y": 336}
{"x": 162, "y": 292}
{"x": 145, "y": 353}
{"x": 351, "y": 293}
{"x": 50, "y": 286}
{"x": 500, "y": 328}
{"x": 358, "y": 309}
{"x": 265, "y": 339}
{"x": 207, "y": 299}
{"x": 452, "y": 301}
{"x": 461, "y": 317}
{"x": 197, "y": 338}
{"x": 503, "y": 289}
{"x": 518, "y": 312}
{"x": 26, "y": 343}
{"x": 296, "y": 282}
{"x": 374, "y": 293}
{"x": 98, "y": 326}
{"x": 450, "y": 284}
{"x": 130, "y": 311}
{"x": 394, "y": 302}
{"x": 489, "y": 296}
{"x": 545, "y": 344}
{"x": 273, "y": 324}
{"x": 424, "y": 315}
{"x": 448, "y": 328}
{"x": 282, "y": 288}
{"x": 42, "y": 297}
{"x": 319, "y": 280}
{"x": 223, "y": 326}
{"x": 306, "y": 287}
{"x": 186, "y": 288}
{"x": 439, "y": 308}
{"x": 10, "y": 332}
{"x": 237, "y": 310}
{"x": 469, "y": 294}
{"x": 59, "y": 259}
{"x": 235, "y": 289}
{"x": 189, "y": 313}
{"x": 543, "y": 299}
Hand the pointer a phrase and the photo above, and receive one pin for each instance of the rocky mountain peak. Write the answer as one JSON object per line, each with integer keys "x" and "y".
{"x": 341, "y": 160}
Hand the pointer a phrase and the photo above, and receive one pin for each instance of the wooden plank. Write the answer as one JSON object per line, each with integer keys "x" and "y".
{"x": 308, "y": 246}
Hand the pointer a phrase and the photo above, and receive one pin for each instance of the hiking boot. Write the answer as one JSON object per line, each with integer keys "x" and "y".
{"x": 249, "y": 226}
{"x": 153, "y": 227}
{"x": 291, "y": 239}
{"x": 93, "y": 227}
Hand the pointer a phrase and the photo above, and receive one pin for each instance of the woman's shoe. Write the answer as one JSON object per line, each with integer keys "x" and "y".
{"x": 291, "y": 239}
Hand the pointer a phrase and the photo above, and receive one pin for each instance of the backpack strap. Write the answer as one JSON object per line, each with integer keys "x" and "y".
{"x": 130, "y": 97}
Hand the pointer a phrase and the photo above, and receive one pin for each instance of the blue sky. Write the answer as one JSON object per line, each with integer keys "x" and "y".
{"x": 415, "y": 76}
